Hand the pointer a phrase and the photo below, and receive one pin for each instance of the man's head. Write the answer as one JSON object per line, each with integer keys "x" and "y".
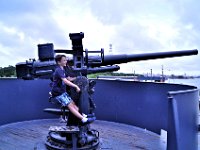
{"x": 61, "y": 60}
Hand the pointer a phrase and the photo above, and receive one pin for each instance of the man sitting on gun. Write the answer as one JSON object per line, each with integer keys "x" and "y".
{"x": 60, "y": 80}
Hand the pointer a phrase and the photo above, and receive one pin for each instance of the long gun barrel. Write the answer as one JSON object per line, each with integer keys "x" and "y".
{"x": 82, "y": 62}
{"x": 124, "y": 58}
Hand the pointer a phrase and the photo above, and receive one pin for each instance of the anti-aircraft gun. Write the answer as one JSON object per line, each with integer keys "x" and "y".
{"x": 82, "y": 63}
{"x": 74, "y": 135}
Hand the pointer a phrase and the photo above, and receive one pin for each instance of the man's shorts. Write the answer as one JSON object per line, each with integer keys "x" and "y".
{"x": 64, "y": 99}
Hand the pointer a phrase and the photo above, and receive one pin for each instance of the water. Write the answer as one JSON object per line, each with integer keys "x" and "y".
{"x": 193, "y": 82}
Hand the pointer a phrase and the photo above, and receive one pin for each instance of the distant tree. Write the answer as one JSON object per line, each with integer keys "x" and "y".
{"x": 9, "y": 71}
{"x": 180, "y": 77}
{"x": 1, "y": 72}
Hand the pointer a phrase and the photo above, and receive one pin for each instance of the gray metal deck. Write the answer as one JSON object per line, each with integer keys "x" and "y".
{"x": 136, "y": 103}
{"x": 29, "y": 135}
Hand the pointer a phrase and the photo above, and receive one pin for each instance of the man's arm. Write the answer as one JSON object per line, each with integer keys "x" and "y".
{"x": 71, "y": 78}
{"x": 69, "y": 83}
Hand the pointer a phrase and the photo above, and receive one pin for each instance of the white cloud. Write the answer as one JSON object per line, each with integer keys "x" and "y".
{"x": 130, "y": 26}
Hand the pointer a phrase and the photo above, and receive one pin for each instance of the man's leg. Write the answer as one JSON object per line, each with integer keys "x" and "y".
{"x": 74, "y": 110}
{"x": 65, "y": 100}
{"x": 83, "y": 119}
{"x": 74, "y": 105}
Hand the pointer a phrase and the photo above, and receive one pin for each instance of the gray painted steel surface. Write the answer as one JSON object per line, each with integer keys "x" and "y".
{"x": 142, "y": 104}
{"x": 23, "y": 100}
{"x": 31, "y": 135}
{"x": 183, "y": 120}
{"x": 136, "y": 103}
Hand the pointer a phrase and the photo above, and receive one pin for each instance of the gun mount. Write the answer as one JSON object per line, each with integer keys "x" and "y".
{"x": 82, "y": 63}
{"x": 76, "y": 136}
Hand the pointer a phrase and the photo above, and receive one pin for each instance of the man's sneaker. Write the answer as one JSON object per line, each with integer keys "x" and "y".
{"x": 90, "y": 120}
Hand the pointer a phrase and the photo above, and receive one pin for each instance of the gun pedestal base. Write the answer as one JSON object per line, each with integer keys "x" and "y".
{"x": 69, "y": 137}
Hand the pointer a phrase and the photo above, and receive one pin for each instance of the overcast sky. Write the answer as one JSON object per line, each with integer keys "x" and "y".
{"x": 131, "y": 26}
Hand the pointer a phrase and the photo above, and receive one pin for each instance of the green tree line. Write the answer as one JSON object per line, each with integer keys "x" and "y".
{"x": 9, "y": 71}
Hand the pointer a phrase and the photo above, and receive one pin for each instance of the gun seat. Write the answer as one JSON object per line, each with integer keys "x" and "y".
{"x": 62, "y": 111}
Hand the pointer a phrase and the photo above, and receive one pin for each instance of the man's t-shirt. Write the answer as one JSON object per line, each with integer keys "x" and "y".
{"x": 58, "y": 86}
